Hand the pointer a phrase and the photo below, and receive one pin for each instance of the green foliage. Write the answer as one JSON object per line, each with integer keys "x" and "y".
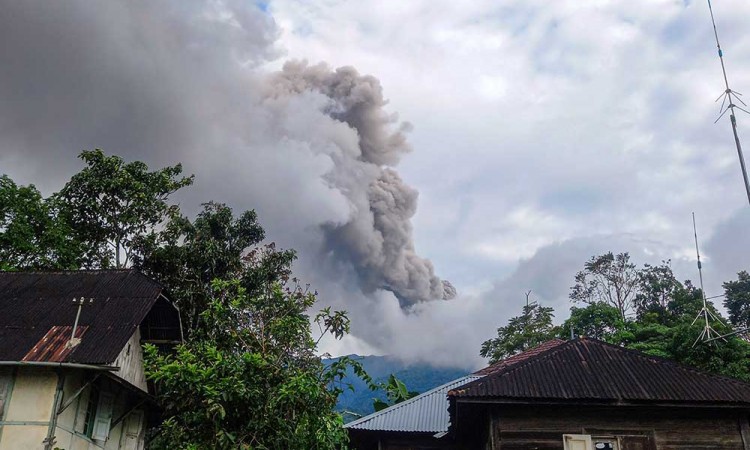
{"x": 188, "y": 256}
{"x": 599, "y": 321}
{"x": 31, "y": 234}
{"x": 110, "y": 205}
{"x": 250, "y": 378}
{"x": 657, "y": 287}
{"x": 533, "y": 327}
{"x": 664, "y": 321}
{"x": 737, "y": 300}
{"x": 396, "y": 392}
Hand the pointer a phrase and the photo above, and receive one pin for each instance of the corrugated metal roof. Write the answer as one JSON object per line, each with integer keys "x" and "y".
{"x": 34, "y": 303}
{"x": 523, "y": 356}
{"x": 53, "y": 347}
{"x": 425, "y": 413}
{"x": 587, "y": 369}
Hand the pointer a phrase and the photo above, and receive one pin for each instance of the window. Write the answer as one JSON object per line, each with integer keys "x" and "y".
{"x": 599, "y": 442}
{"x": 577, "y": 442}
{"x": 88, "y": 421}
{"x": 605, "y": 443}
{"x": 98, "y": 415}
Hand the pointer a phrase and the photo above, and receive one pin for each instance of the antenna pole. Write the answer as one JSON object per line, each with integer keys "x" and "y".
{"x": 708, "y": 331}
{"x": 730, "y": 95}
{"x": 700, "y": 269}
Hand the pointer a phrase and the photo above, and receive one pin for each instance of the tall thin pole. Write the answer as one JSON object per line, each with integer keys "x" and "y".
{"x": 700, "y": 272}
{"x": 708, "y": 334}
{"x": 731, "y": 95}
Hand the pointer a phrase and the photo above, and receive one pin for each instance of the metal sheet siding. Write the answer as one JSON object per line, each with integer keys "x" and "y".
{"x": 32, "y": 303}
{"x": 427, "y": 412}
{"x": 586, "y": 369}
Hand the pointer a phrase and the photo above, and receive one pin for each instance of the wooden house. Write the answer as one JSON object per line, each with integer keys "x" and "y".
{"x": 584, "y": 394}
{"x": 71, "y": 359}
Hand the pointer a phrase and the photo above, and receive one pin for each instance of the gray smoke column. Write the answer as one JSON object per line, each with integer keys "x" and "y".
{"x": 377, "y": 239}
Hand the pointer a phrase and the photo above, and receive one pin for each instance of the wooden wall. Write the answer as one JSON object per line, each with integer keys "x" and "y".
{"x": 636, "y": 428}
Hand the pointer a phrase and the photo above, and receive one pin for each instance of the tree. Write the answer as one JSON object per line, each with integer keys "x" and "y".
{"x": 607, "y": 278}
{"x": 110, "y": 205}
{"x": 737, "y": 300}
{"x": 250, "y": 378}
{"x": 657, "y": 287}
{"x": 533, "y": 327}
{"x": 188, "y": 256}
{"x": 32, "y": 236}
{"x": 598, "y": 320}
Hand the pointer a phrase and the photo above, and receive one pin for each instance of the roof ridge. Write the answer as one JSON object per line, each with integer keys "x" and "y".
{"x": 391, "y": 408}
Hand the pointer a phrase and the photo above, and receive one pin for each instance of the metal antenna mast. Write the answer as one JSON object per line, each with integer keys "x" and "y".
{"x": 729, "y": 96}
{"x": 708, "y": 333}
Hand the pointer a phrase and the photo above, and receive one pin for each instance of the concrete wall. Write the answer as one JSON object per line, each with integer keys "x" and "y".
{"x": 28, "y": 410}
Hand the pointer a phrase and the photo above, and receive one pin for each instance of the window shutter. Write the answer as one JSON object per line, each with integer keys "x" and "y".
{"x": 103, "y": 416}
{"x": 577, "y": 442}
{"x": 132, "y": 431}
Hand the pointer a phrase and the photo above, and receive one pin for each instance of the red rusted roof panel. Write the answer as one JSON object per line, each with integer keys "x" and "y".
{"x": 54, "y": 346}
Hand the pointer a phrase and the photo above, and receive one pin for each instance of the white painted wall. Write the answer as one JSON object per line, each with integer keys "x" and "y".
{"x": 29, "y": 409}
{"x": 130, "y": 362}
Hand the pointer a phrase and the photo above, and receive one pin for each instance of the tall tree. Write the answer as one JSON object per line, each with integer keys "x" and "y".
{"x": 188, "y": 256}
{"x": 32, "y": 236}
{"x": 533, "y": 327}
{"x": 657, "y": 286}
{"x": 737, "y": 300}
{"x": 111, "y": 204}
{"x": 607, "y": 278}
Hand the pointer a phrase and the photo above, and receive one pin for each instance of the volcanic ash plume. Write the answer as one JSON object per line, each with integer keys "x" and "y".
{"x": 377, "y": 239}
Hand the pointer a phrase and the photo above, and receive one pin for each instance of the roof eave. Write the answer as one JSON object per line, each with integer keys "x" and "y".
{"x": 599, "y": 402}
{"x": 64, "y": 365}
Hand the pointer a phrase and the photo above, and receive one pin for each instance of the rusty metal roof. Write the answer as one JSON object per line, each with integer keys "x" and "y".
{"x": 425, "y": 413}
{"x": 586, "y": 369}
{"x": 37, "y": 314}
{"x": 54, "y": 346}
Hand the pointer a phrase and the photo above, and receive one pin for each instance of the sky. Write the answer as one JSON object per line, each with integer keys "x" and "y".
{"x": 431, "y": 161}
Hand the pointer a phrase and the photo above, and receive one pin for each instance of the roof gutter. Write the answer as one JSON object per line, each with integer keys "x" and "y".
{"x": 58, "y": 365}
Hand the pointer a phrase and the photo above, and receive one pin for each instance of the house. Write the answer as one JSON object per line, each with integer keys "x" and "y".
{"x": 581, "y": 394}
{"x": 71, "y": 361}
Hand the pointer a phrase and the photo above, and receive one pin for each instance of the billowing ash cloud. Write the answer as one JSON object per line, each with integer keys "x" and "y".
{"x": 312, "y": 149}
{"x": 377, "y": 238}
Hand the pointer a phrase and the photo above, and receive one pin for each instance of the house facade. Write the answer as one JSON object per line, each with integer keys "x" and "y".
{"x": 71, "y": 359}
{"x": 580, "y": 394}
